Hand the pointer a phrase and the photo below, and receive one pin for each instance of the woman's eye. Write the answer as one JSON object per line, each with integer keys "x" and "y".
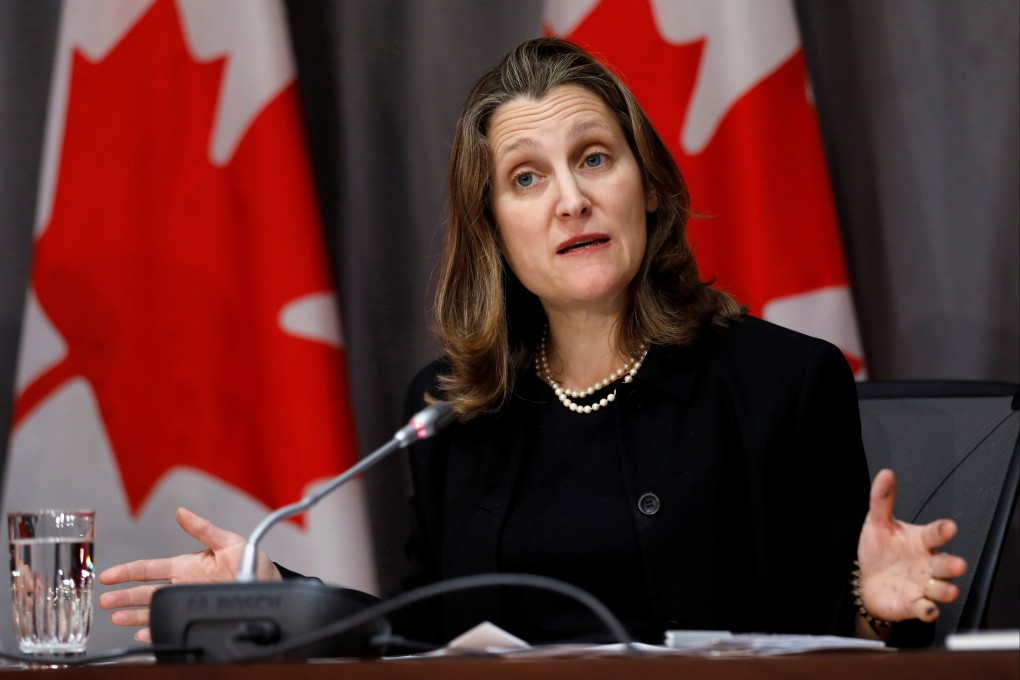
{"x": 525, "y": 179}
{"x": 594, "y": 160}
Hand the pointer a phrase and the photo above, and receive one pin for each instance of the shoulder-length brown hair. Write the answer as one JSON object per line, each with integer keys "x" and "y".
{"x": 487, "y": 322}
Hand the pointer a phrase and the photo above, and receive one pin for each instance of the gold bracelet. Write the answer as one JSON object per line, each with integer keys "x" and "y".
{"x": 855, "y": 587}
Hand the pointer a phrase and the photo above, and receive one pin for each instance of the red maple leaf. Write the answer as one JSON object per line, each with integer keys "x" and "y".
{"x": 768, "y": 227}
{"x": 165, "y": 275}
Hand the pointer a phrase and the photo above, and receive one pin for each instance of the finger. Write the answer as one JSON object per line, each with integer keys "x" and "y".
{"x": 883, "y": 497}
{"x": 139, "y": 570}
{"x": 139, "y": 596}
{"x": 946, "y": 566}
{"x": 144, "y": 635}
{"x": 204, "y": 531}
{"x": 130, "y": 617}
{"x": 926, "y": 610}
{"x": 266, "y": 569}
{"x": 938, "y": 590}
{"x": 936, "y": 534}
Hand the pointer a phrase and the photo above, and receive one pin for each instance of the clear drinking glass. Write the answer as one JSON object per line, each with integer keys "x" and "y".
{"x": 52, "y": 575}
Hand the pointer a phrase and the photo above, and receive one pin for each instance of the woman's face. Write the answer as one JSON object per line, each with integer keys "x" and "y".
{"x": 568, "y": 199}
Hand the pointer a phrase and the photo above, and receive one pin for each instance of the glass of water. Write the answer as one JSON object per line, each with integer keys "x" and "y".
{"x": 52, "y": 575}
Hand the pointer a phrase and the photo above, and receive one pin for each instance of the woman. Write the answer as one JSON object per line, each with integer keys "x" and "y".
{"x": 623, "y": 425}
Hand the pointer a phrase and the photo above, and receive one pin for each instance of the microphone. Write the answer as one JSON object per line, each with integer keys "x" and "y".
{"x": 234, "y": 621}
{"x": 422, "y": 425}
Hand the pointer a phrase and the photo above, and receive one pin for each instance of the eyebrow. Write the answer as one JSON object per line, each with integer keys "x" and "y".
{"x": 583, "y": 126}
{"x": 524, "y": 142}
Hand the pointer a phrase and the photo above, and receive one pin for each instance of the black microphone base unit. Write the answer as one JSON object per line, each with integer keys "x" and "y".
{"x": 239, "y": 621}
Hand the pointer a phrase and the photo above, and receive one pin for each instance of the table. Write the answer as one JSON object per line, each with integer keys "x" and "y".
{"x": 862, "y": 665}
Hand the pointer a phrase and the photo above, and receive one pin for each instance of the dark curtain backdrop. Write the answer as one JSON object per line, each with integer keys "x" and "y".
{"x": 918, "y": 103}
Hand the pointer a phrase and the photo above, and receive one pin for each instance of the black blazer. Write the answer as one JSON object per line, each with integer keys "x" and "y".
{"x": 750, "y": 439}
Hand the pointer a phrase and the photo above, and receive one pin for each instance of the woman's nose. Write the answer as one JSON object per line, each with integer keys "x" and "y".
{"x": 572, "y": 201}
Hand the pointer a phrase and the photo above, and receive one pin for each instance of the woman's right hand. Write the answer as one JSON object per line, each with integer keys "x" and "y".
{"x": 219, "y": 562}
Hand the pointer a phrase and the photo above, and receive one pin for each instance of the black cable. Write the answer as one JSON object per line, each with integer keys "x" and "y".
{"x": 584, "y": 598}
{"x": 400, "y": 641}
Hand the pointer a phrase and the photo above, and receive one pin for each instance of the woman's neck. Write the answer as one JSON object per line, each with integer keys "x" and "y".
{"x": 581, "y": 348}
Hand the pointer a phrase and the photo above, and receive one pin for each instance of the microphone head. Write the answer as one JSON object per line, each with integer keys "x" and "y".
{"x": 426, "y": 423}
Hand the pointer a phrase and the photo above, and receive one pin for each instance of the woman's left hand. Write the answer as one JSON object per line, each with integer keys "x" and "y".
{"x": 903, "y": 575}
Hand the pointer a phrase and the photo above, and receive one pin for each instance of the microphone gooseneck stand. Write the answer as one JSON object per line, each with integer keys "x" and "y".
{"x": 248, "y": 619}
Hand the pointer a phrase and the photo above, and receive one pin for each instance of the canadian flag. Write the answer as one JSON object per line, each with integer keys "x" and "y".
{"x": 725, "y": 85}
{"x": 181, "y": 342}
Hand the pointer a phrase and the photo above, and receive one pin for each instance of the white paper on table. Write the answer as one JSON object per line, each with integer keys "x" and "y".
{"x": 761, "y": 644}
{"x": 984, "y": 640}
{"x": 485, "y": 638}
{"x": 488, "y": 638}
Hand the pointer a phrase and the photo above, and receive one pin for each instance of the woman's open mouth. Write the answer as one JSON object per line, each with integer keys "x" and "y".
{"x": 581, "y": 243}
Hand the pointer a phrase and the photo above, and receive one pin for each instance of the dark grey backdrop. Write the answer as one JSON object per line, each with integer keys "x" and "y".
{"x": 919, "y": 108}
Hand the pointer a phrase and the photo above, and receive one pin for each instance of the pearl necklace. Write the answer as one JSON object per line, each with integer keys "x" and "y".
{"x": 627, "y": 372}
